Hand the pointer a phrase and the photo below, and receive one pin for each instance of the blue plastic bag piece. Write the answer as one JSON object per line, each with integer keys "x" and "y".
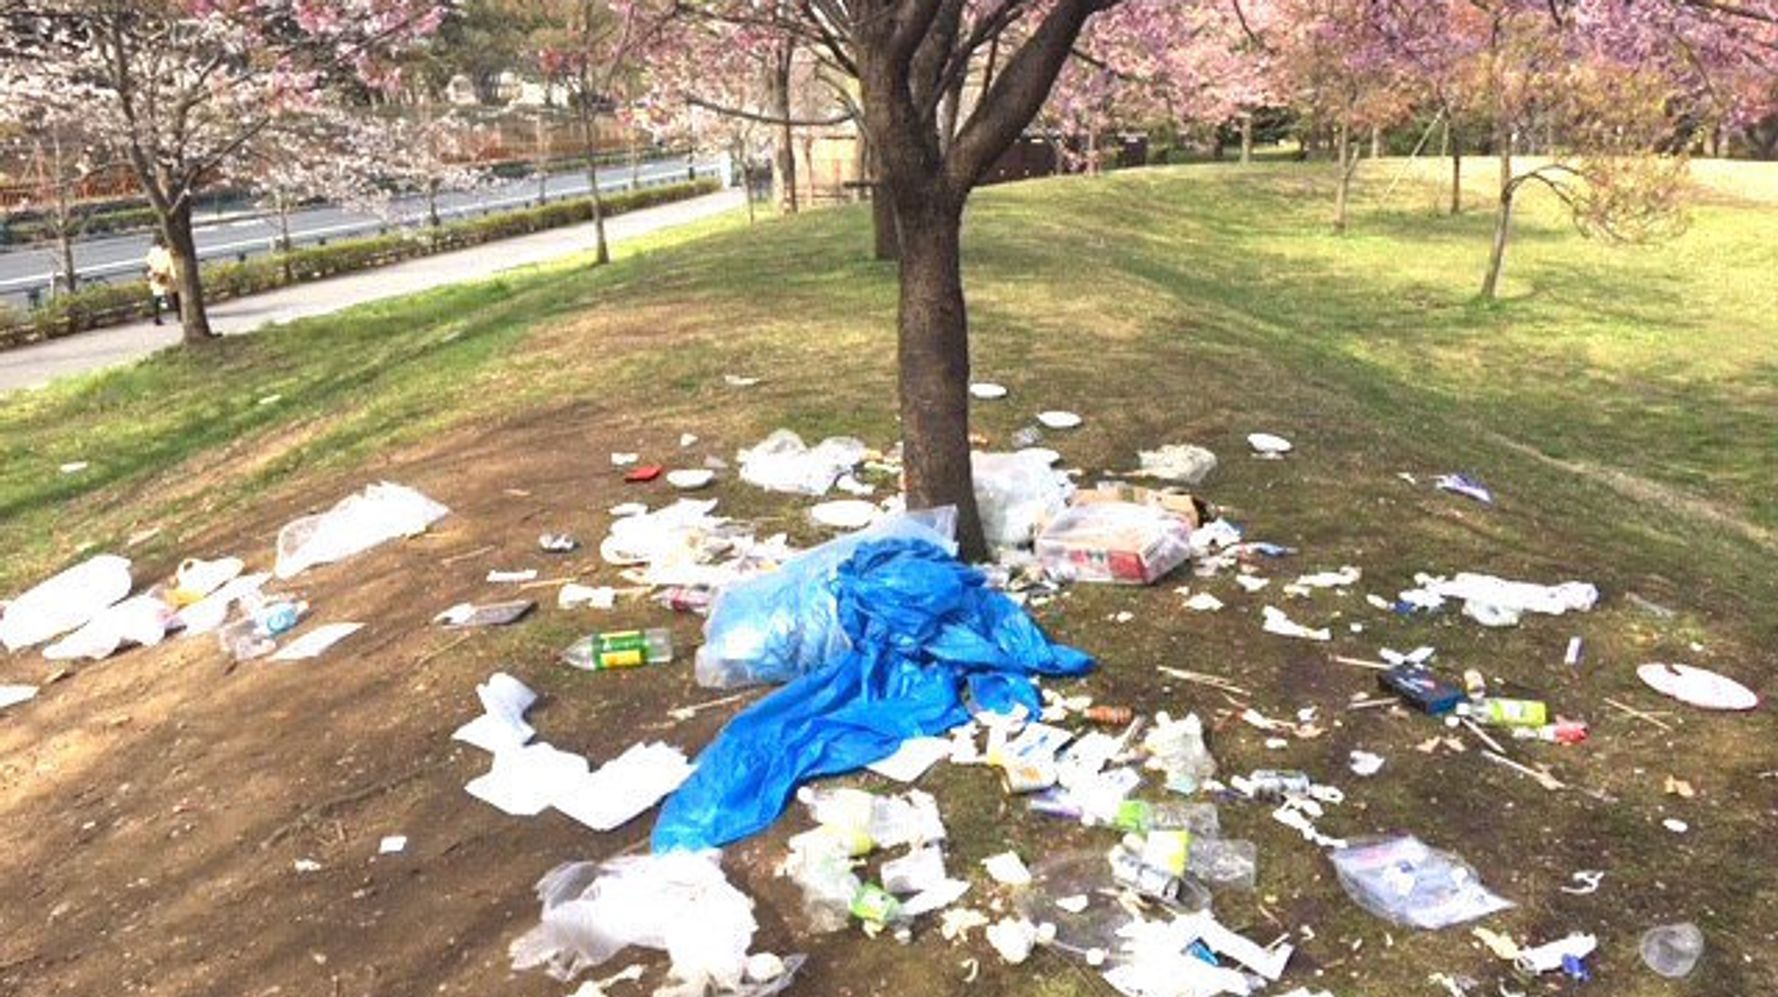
{"x": 922, "y": 628}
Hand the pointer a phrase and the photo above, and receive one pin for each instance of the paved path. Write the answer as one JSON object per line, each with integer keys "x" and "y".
{"x": 31, "y": 268}
{"x": 39, "y": 363}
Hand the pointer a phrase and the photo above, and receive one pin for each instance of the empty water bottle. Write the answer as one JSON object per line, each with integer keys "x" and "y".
{"x": 1672, "y": 950}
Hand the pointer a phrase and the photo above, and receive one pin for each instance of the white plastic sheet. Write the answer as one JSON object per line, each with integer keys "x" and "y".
{"x": 782, "y": 462}
{"x": 65, "y": 602}
{"x": 142, "y": 620}
{"x": 1016, "y": 494}
{"x": 357, "y": 523}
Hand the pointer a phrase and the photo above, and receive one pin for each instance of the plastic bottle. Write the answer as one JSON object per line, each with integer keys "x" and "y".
{"x": 1506, "y": 712}
{"x": 621, "y": 649}
{"x": 1275, "y": 784}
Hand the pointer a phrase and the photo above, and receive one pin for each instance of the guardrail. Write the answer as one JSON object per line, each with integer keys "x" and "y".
{"x": 38, "y": 290}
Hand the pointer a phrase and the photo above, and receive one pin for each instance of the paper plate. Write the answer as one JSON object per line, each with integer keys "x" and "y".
{"x": 987, "y": 389}
{"x": 1058, "y": 419}
{"x": 690, "y": 478}
{"x": 1048, "y": 456}
{"x": 1267, "y": 443}
{"x": 845, "y": 514}
{"x": 1698, "y": 686}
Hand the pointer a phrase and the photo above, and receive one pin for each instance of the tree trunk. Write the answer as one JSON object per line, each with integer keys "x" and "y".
{"x": 432, "y": 219}
{"x": 194, "y": 319}
{"x": 1246, "y": 139}
{"x": 1343, "y": 153}
{"x": 1456, "y": 175}
{"x": 784, "y": 158}
{"x": 1502, "y": 221}
{"x": 281, "y": 205}
{"x": 933, "y": 348}
{"x": 588, "y": 146}
{"x": 1376, "y": 141}
{"x": 69, "y": 278}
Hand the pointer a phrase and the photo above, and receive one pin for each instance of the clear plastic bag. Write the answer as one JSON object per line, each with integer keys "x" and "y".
{"x": 1224, "y": 863}
{"x": 357, "y": 523}
{"x": 1402, "y": 880}
{"x": 779, "y": 626}
{"x": 1120, "y": 542}
{"x": 782, "y": 462}
{"x": 65, "y": 602}
{"x": 1016, "y": 494}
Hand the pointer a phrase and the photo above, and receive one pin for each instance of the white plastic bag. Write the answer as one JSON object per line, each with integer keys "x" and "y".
{"x": 65, "y": 602}
{"x": 783, "y": 463}
{"x": 357, "y": 523}
{"x": 142, "y": 620}
{"x": 1016, "y": 494}
{"x": 676, "y": 901}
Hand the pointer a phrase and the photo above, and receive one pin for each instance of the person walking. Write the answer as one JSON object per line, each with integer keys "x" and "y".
{"x": 162, "y": 278}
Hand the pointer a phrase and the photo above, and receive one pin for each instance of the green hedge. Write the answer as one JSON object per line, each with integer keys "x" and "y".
{"x": 109, "y": 304}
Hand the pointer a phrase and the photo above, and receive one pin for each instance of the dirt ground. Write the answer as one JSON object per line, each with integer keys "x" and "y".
{"x": 153, "y": 806}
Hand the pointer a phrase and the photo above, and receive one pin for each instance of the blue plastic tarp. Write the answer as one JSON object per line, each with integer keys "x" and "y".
{"x": 923, "y": 629}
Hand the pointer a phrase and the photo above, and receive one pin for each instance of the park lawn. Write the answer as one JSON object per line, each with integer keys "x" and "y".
{"x": 1619, "y": 401}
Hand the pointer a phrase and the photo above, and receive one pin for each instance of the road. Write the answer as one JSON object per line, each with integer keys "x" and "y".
{"x": 39, "y": 363}
{"x": 29, "y": 270}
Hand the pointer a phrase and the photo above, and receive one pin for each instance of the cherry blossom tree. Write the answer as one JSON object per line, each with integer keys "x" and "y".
{"x": 179, "y": 88}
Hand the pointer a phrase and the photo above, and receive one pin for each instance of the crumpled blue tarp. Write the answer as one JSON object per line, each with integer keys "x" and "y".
{"x": 922, "y": 627}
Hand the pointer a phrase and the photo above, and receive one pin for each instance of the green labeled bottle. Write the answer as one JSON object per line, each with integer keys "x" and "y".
{"x": 1507, "y": 712}
{"x": 621, "y": 649}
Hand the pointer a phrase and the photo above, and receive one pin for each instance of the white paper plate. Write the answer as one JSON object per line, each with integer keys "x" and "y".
{"x": 1267, "y": 443}
{"x": 845, "y": 514}
{"x": 987, "y": 389}
{"x": 1056, "y": 419}
{"x": 690, "y": 478}
{"x": 1698, "y": 686}
{"x": 1049, "y": 456}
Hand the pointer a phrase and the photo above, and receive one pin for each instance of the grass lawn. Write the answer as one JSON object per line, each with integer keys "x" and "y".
{"x": 1622, "y": 402}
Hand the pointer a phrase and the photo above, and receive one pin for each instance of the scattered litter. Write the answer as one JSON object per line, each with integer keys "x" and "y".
{"x": 1539, "y": 776}
{"x": 845, "y": 514}
{"x": 74, "y": 467}
{"x": 783, "y": 463}
{"x": 644, "y": 473}
{"x": 502, "y": 724}
{"x": 1118, "y": 542}
{"x": 574, "y": 595}
{"x": 913, "y": 758}
{"x": 1588, "y": 879}
{"x": 65, "y": 602}
{"x": 1074, "y": 904}
{"x": 557, "y": 543}
{"x": 380, "y": 513}
{"x": 316, "y": 642}
{"x": 1678, "y": 787}
{"x": 687, "y": 712}
{"x": 393, "y": 844}
{"x": 1006, "y": 869}
{"x": 956, "y": 924}
{"x": 1403, "y": 881}
{"x": 1571, "y": 657}
{"x": 690, "y": 479}
{"x": 197, "y": 578}
{"x": 1016, "y": 493}
{"x": 498, "y": 577}
{"x": 1276, "y": 622}
{"x": 307, "y": 865}
{"x": 687, "y": 439}
{"x": 1554, "y": 955}
{"x": 624, "y": 459}
{"x": 1497, "y": 602}
{"x": 623, "y": 509}
{"x": 1058, "y": 419}
{"x": 1462, "y": 484}
{"x": 738, "y": 381}
{"x": 1203, "y": 602}
{"x": 12, "y": 695}
{"x": 142, "y": 620}
{"x": 1013, "y": 938}
{"x": 1366, "y": 764}
{"x": 1185, "y": 463}
{"x": 1698, "y": 687}
{"x": 679, "y": 902}
{"x": 620, "y": 649}
{"x": 622, "y": 789}
{"x": 1672, "y": 950}
{"x": 497, "y": 614}
{"x": 1346, "y": 577}
{"x": 1252, "y": 583}
{"x": 987, "y": 390}
{"x": 1268, "y": 446}
{"x": 1676, "y": 825}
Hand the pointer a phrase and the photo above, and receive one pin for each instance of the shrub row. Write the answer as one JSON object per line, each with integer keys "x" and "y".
{"x": 99, "y": 305}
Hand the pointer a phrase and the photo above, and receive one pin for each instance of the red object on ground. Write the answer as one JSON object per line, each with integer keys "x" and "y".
{"x": 647, "y": 472}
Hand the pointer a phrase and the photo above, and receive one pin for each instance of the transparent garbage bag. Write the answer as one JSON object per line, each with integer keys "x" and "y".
{"x": 381, "y": 512}
{"x": 1402, "y": 880}
{"x": 784, "y": 624}
{"x": 782, "y": 462}
{"x": 1016, "y": 493}
{"x": 1120, "y": 542}
{"x": 65, "y": 602}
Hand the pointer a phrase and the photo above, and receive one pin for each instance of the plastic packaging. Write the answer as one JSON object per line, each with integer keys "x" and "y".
{"x": 140, "y": 620}
{"x": 1119, "y": 542}
{"x": 827, "y": 881}
{"x": 65, "y": 602}
{"x": 620, "y": 649}
{"x": 1141, "y": 816}
{"x": 1176, "y": 747}
{"x": 1184, "y": 463}
{"x": 1672, "y": 950}
{"x": 784, "y": 624}
{"x": 357, "y": 523}
{"x": 1506, "y": 712}
{"x": 1016, "y": 494}
{"x": 782, "y": 462}
{"x": 679, "y": 902}
{"x": 1223, "y": 862}
{"x": 1403, "y": 881}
